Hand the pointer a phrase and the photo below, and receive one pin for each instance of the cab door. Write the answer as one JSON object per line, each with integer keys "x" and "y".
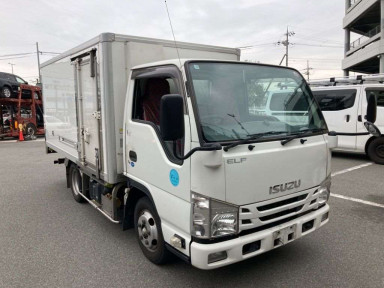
{"x": 150, "y": 160}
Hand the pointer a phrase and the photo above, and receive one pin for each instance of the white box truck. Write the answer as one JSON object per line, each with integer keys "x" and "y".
{"x": 343, "y": 102}
{"x": 174, "y": 150}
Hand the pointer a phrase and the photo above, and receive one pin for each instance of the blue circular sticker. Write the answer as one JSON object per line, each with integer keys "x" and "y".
{"x": 132, "y": 164}
{"x": 174, "y": 177}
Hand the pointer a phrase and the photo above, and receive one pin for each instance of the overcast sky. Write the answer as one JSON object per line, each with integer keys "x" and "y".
{"x": 61, "y": 25}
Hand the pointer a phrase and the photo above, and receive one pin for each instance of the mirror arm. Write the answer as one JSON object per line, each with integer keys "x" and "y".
{"x": 334, "y": 133}
{"x": 212, "y": 147}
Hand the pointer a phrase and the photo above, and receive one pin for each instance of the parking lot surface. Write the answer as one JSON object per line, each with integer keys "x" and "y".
{"x": 49, "y": 240}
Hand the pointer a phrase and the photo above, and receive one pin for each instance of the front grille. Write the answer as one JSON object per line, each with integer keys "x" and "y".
{"x": 271, "y": 212}
{"x": 282, "y": 203}
{"x": 282, "y": 213}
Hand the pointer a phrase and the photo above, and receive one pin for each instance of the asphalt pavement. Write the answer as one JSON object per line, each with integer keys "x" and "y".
{"x": 49, "y": 240}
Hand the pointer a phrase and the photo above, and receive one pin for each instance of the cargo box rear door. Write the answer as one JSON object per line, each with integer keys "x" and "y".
{"x": 89, "y": 115}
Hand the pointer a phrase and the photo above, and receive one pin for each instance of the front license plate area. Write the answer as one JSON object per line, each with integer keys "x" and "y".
{"x": 284, "y": 235}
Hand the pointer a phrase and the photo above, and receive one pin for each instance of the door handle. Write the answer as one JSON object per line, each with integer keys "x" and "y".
{"x": 360, "y": 118}
{"x": 133, "y": 156}
{"x": 347, "y": 118}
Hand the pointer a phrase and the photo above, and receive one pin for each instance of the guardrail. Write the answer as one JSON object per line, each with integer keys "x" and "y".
{"x": 353, "y": 2}
{"x": 366, "y": 37}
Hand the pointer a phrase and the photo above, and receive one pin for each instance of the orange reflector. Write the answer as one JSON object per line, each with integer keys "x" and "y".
{"x": 16, "y": 126}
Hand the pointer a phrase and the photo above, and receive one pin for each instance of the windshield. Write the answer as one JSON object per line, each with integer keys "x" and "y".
{"x": 236, "y": 101}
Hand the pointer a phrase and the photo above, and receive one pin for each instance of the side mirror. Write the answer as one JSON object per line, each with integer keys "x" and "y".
{"x": 172, "y": 117}
{"x": 371, "y": 109}
{"x": 372, "y": 129}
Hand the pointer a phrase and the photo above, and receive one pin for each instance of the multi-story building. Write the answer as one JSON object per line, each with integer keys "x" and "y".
{"x": 366, "y": 54}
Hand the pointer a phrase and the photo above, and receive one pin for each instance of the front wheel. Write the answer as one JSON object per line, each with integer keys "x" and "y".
{"x": 148, "y": 232}
{"x": 7, "y": 92}
{"x": 375, "y": 150}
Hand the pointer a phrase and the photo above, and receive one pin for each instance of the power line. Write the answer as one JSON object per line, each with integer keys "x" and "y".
{"x": 312, "y": 59}
{"x": 15, "y": 57}
{"x": 252, "y": 46}
{"x": 320, "y": 40}
{"x": 44, "y": 52}
{"x": 313, "y": 45}
{"x": 19, "y": 54}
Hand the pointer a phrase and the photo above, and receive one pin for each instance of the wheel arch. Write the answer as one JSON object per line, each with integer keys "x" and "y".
{"x": 369, "y": 142}
{"x": 68, "y": 164}
{"x": 137, "y": 191}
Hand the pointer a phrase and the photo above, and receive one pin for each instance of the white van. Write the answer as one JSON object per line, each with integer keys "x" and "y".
{"x": 343, "y": 103}
{"x": 277, "y": 102}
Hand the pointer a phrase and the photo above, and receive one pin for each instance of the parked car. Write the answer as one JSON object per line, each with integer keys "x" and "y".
{"x": 10, "y": 86}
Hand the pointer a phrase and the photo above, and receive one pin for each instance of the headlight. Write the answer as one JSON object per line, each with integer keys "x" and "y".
{"x": 324, "y": 190}
{"x": 212, "y": 218}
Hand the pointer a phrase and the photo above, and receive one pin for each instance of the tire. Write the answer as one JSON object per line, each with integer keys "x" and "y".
{"x": 375, "y": 150}
{"x": 148, "y": 232}
{"x": 76, "y": 183}
{"x": 30, "y": 131}
{"x": 6, "y": 92}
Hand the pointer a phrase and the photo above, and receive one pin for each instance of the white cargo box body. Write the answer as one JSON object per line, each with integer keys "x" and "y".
{"x": 84, "y": 94}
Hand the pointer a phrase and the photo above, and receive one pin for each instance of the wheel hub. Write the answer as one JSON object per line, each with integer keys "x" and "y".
{"x": 147, "y": 229}
{"x": 7, "y": 93}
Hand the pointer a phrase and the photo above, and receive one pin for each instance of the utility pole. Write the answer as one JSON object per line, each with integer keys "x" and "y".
{"x": 286, "y": 43}
{"x": 11, "y": 66}
{"x": 38, "y": 60}
{"x": 307, "y": 70}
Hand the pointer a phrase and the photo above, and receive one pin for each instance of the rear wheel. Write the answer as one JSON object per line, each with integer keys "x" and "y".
{"x": 76, "y": 183}
{"x": 148, "y": 232}
{"x": 375, "y": 150}
{"x": 7, "y": 92}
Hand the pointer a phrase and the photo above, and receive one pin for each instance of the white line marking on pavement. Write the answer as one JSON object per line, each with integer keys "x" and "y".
{"x": 352, "y": 168}
{"x": 357, "y": 200}
{"x": 15, "y": 141}
{"x": 351, "y": 198}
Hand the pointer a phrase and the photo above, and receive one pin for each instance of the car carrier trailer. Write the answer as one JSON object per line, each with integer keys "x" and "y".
{"x": 158, "y": 137}
{"x": 27, "y": 112}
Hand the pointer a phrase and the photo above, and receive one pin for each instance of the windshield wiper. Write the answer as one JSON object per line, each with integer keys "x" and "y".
{"x": 238, "y": 122}
{"x": 252, "y": 138}
{"x": 301, "y": 134}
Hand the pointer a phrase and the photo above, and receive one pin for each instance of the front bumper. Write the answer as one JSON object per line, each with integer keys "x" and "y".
{"x": 235, "y": 247}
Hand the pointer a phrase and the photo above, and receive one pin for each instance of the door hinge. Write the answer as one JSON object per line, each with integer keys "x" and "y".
{"x": 97, "y": 115}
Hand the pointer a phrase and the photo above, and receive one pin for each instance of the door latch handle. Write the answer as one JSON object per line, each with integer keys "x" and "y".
{"x": 360, "y": 118}
{"x": 347, "y": 118}
{"x": 133, "y": 156}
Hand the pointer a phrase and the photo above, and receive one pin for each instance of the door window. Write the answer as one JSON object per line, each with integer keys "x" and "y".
{"x": 19, "y": 80}
{"x": 146, "y": 106}
{"x": 379, "y": 96}
{"x": 335, "y": 100}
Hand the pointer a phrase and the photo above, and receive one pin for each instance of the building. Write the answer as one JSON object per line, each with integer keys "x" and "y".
{"x": 366, "y": 54}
